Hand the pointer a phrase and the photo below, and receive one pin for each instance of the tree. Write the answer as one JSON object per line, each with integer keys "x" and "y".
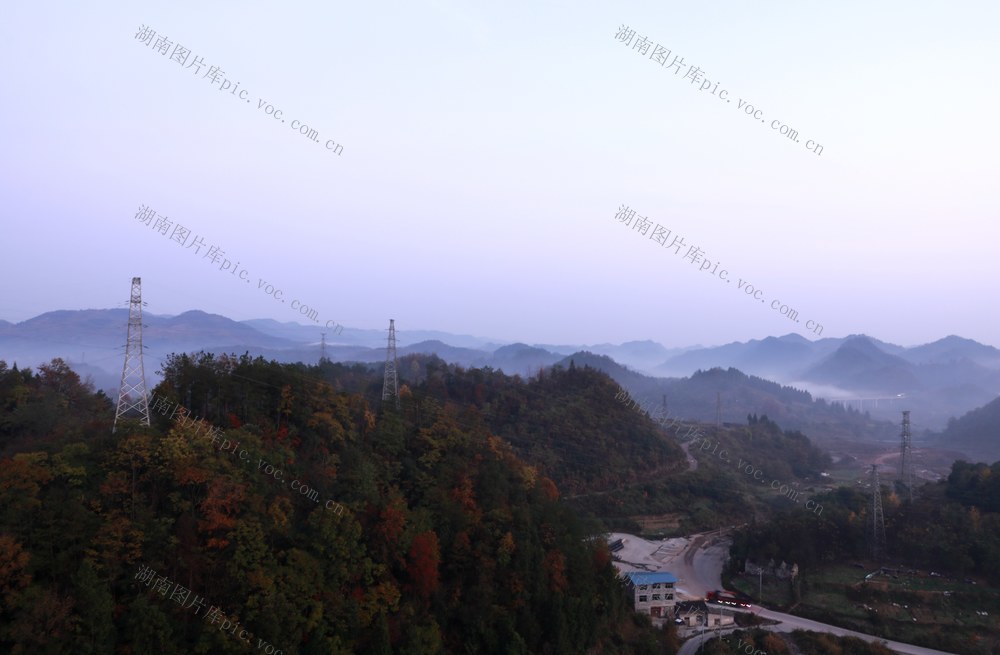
{"x": 95, "y": 607}
{"x": 424, "y": 557}
{"x": 14, "y": 576}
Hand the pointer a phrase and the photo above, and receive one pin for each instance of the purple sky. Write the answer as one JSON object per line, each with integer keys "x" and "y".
{"x": 486, "y": 150}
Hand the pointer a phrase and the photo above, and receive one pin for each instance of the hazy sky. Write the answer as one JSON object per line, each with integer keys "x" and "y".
{"x": 486, "y": 150}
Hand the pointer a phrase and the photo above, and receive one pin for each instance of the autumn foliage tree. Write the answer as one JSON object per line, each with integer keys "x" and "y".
{"x": 447, "y": 540}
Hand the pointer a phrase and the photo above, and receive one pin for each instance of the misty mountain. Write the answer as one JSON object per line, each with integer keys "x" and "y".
{"x": 976, "y": 433}
{"x": 368, "y": 338}
{"x": 953, "y": 349}
{"x": 785, "y": 358}
{"x": 522, "y": 359}
{"x": 736, "y": 394}
{"x": 780, "y": 357}
{"x": 860, "y": 365}
{"x": 635, "y": 354}
{"x": 467, "y": 357}
{"x": 92, "y": 342}
{"x": 938, "y": 381}
{"x": 97, "y": 337}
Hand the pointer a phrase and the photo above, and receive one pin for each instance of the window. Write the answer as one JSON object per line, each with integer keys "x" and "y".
{"x": 656, "y": 596}
{"x": 656, "y": 586}
{"x": 643, "y": 587}
{"x": 670, "y": 596}
{"x": 643, "y": 599}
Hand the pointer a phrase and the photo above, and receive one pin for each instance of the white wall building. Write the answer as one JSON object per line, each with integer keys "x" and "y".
{"x": 652, "y": 593}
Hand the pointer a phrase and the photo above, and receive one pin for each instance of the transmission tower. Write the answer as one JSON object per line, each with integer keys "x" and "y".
{"x": 322, "y": 348}
{"x": 876, "y": 544}
{"x": 390, "y": 382}
{"x": 132, "y": 392}
{"x": 906, "y": 456}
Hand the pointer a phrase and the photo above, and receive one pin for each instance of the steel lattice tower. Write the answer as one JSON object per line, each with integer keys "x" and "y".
{"x": 322, "y": 348}
{"x": 906, "y": 456}
{"x": 877, "y": 544}
{"x": 132, "y": 392}
{"x": 390, "y": 382}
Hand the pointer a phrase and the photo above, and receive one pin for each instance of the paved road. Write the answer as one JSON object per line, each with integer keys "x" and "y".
{"x": 790, "y": 623}
{"x": 692, "y": 645}
{"x": 698, "y": 566}
{"x": 701, "y": 572}
{"x": 692, "y": 462}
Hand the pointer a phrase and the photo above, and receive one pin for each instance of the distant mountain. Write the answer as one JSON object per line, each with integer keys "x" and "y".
{"x": 953, "y": 349}
{"x": 98, "y": 336}
{"x": 194, "y": 329}
{"x": 640, "y": 355}
{"x": 976, "y": 433}
{"x": 858, "y": 364}
{"x": 103, "y": 328}
{"x": 784, "y": 358}
{"x": 781, "y": 357}
{"x": 102, "y": 380}
{"x": 467, "y": 357}
{"x": 522, "y": 359}
{"x": 937, "y": 381}
{"x": 697, "y": 398}
{"x": 369, "y": 338}
{"x": 292, "y": 331}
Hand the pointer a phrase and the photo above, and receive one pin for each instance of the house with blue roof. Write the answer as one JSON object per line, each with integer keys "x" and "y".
{"x": 652, "y": 593}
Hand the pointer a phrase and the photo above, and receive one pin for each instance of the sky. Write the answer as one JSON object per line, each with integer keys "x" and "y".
{"x": 485, "y": 150}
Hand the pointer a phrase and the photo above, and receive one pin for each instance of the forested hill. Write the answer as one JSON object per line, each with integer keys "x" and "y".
{"x": 976, "y": 433}
{"x": 567, "y": 422}
{"x": 420, "y": 533}
{"x": 952, "y": 527}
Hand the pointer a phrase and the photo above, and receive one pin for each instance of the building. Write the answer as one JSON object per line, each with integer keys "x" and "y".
{"x": 652, "y": 593}
{"x": 691, "y": 613}
{"x": 698, "y": 613}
